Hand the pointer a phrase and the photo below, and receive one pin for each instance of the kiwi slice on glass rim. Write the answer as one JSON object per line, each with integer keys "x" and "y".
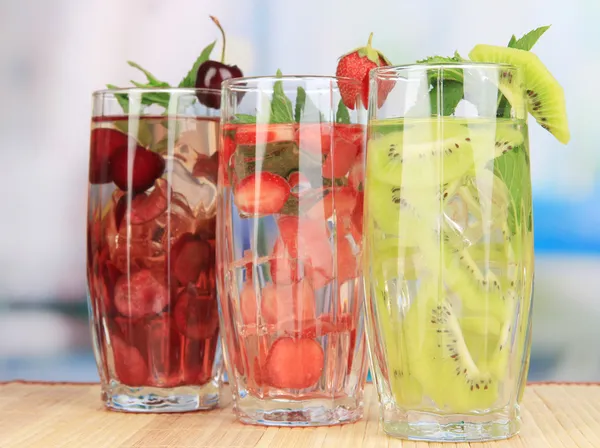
{"x": 545, "y": 96}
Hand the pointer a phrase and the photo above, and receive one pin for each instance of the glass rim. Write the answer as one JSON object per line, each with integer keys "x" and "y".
{"x": 232, "y": 83}
{"x": 142, "y": 90}
{"x": 389, "y": 70}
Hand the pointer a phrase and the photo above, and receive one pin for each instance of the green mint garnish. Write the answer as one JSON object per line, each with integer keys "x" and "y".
{"x": 281, "y": 106}
{"x": 190, "y": 78}
{"x": 342, "y": 115}
{"x": 451, "y": 94}
{"x": 244, "y": 119}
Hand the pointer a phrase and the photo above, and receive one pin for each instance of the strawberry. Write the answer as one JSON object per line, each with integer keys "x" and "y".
{"x": 146, "y": 167}
{"x": 252, "y": 134}
{"x": 261, "y": 193}
{"x": 248, "y": 304}
{"x": 294, "y": 363}
{"x": 338, "y": 162}
{"x": 285, "y": 269}
{"x": 130, "y": 367}
{"x": 343, "y": 198}
{"x": 299, "y": 184}
{"x": 314, "y": 138}
{"x": 357, "y": 213}
{"x": 356, "y": 65}
{"x": 140, "y": 294}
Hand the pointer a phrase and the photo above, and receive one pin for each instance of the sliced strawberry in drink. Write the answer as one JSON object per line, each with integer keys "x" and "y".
{"x": 284, "y": 268}
{"x": 196, "y": 316}
{"x": 189, "y": 257}
{"x": 294, "y": 363}
{"x": 299, "y": 184}
{"x": 144, "y": 167}
{"x": 103, "y": 143}
{"x": 130, "y": 366}
{"x": 261, "y": 194}
{"x": 340, "y": 198}
{"x": 276, "y": 303}
{"x": 252, "y": 134}
{"x": 357, "y": 213}
{"x": 314, "y": 138}
{"x": 140, "y": 295}
{"x": 356, "y": 176}
{"x": 347, "y": 260}
{"x": 338, "y": 162}
{"x": 228, "y": 146}
{"x": 248, "y": 305}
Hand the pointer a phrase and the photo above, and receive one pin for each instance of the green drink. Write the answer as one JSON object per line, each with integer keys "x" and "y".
{"x": 448, "y": 240}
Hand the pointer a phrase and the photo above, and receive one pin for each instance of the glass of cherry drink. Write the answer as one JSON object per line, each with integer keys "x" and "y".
{"x": 151, "y": 249}
{"x": 288, "y": 248}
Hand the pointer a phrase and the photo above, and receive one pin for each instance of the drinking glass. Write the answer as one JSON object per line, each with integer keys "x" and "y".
{"x": 151, "y": 249}
{"x": 289, "y": 243}
{"x": 448, "y": 249}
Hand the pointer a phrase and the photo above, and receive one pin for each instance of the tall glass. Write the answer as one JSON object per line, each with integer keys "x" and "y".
{"x": 289, "y": 244}
{"x": 151, "y": 249}
{"x": 448, "y": 249}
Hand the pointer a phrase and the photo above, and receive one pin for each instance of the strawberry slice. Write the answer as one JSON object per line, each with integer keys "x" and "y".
{"x": 130, "y": 366}
{"x": 284, "y": 268}
{"x": 299, "y": 184}
{"x": 357, "y": 213}
{"x": 252, "y": 134}
{"x": 196, "y": 316}
{"x": 248, "y": 305}
{"x": 261, "y": 194}
{"x": 356, "y": 175}
{"x": 140, "y": 295}
{"x": 347, "y": 260}
{"x": 294, "y": 363}
{"x": 314, "y": 138}
{"x": 103, "y": 143}
{"x": 146, "y": 166}
{"x": 189, "y": 257}
{"x": 338, "y": 162}
{"x": 342, "y": 198}
{"x": 282, "y": 303}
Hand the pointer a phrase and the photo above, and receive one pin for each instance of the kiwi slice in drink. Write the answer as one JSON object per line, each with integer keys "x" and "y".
{"x": 545, "y": 96}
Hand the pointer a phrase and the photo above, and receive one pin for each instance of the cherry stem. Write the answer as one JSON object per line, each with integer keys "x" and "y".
{"x": 216, "y": 22}
{"x": 370, "y": 40}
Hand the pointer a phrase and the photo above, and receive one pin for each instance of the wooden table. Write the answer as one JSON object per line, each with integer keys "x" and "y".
{"x": 48, "y": 415}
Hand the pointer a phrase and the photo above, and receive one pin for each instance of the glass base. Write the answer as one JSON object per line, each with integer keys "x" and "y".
{"x": 118, "y": 397}
{"x": 431, "y": 427}
{"x": 308, "y": 412}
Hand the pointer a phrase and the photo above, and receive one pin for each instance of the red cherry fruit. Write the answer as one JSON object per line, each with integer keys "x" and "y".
{"x": 211, "y": 74}
{"x": 356, "y": 65}
{"x": 144, "y": 207}
{"x": 130, "y": 366}
{"x": 146, "y": 167}
{"x": 294, "y": 363}
{"x": 163, "y": 352}
{"x": 206, "y": 167}
{"x": 196, "y": 316}
{"x": 189, "y": 257}
{"x": 103, "y": 143}
{"x": 261, "y": 194}
{"x": 140, "y": 294}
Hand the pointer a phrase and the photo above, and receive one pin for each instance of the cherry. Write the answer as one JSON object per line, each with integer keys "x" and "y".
{"x": 211, "y": 74}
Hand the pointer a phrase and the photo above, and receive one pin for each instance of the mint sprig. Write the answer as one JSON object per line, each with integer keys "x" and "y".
{"x": 528, "y": 40}
{"x": 281, "y": 106}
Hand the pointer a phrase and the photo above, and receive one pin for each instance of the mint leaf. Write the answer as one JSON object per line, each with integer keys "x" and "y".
{"x": 121, "y": 98}
{"x": 281, "y": 106}
{"x": 447, "y": 92}
{"x": 512, "y": 41}
{"x": 528, "y": 40}
{"x": 343, "y": 114}
{"x": 244, "y": 119}
{"x": 190, "y": 78}
{"x": 300, "y": 103}
{"x": 306, "y": 110}
{"x": 149, "y": 98}
{"x": 512, "y": 168}
{"x": 152, "y": 81}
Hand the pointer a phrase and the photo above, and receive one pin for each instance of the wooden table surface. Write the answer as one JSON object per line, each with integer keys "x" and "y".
{"x": 48, "y": 415}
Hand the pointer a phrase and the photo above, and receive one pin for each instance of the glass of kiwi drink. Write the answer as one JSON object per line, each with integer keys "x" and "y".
{"x": 288, "y": 249}
{"x": 448, "y": 243}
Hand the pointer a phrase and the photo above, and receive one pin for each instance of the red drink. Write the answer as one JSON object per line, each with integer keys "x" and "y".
{"x": 289, "y": 245}
{"x": 151, "y": 261}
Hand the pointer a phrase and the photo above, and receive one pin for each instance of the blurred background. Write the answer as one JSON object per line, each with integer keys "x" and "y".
{"x": 54, "y": 53}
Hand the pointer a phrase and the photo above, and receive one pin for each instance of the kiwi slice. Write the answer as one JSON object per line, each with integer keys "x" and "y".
{"x": 545, "y": 96}
{"x": 432, "y": 152}
{"x": 441, "y": 358}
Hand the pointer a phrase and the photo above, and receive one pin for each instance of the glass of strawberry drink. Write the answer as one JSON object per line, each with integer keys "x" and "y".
{"x": 151, "y": 250}
{"x": 289, "y": 241}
